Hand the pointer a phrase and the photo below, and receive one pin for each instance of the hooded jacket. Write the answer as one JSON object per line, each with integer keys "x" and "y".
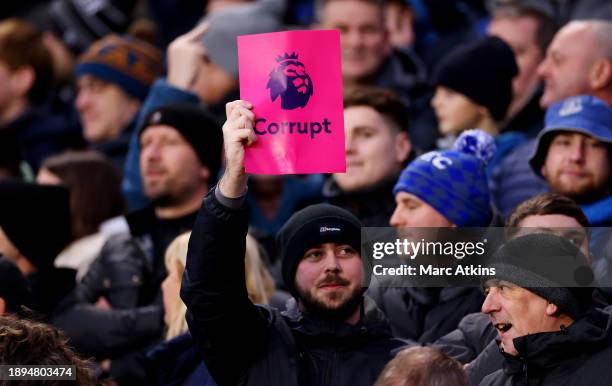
{"x": 578, "y": 355}
{"x": 245, "y": 344}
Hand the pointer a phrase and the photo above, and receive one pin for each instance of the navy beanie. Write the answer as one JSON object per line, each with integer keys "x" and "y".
{"x": 197, "y": 126}
{"x": 311, "y": 226}
{"x": 454, "y": 182}
{"x": 549, "y": 266}
{"x": 128, "y": 62}
{"x": 482, "y": 71}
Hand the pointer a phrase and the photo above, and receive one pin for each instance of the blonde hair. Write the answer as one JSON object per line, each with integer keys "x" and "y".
{"x": 259, "y": 283}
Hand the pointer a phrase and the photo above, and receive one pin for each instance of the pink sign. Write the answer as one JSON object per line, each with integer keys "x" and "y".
{"x": 294, "y": 81}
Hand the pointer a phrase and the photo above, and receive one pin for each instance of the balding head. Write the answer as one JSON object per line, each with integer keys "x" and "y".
{"x": 578, "y": 61}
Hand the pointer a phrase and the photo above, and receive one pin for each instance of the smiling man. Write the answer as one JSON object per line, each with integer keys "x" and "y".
{"x": 330, "y": 334}
{"x": 377, "y": 147}
{"x": 548, "y": 331}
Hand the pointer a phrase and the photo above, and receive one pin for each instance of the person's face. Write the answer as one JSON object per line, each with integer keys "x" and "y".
{"x": 364, "y": 39}
{"x": 171, "y": 287}
{"x": 411, "y": 211}
{"x": 577, "y": 166}
{"x": 171, "y": 171}
{"x": 516, "y": 312}
{"x": 455, "y": 111}
{"x": 565, "y": 70}
{"x": 213, "y": 83}
{"x": 329, "y": 276}
{"x": 104, "y": 109}
{"x": 520, "y": 33}
{"x": 375, "y": 150}
{"x": 7, "y": 248}
{"x": 559, "y": 224}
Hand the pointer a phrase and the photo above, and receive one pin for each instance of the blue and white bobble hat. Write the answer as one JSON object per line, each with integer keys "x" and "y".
{"x": 454, "y": 182}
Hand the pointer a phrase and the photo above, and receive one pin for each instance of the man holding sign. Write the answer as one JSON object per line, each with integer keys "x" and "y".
{"x": 330, "y": 334}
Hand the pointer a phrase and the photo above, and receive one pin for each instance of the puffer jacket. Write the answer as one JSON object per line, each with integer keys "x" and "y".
{"x": 575, "y": 356}
{"x": 425, "y": 314}
{"x": 244, "y": 344}
{"x": 121, "y": 274}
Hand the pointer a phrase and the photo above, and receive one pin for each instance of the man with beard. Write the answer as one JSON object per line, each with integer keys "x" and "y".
{"x": 181, "y": 155}
{"x": 573, "y": 155}
{"x": 330, "y": 334}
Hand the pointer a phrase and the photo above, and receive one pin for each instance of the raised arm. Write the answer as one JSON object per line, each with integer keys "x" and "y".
{"x": 228, "y": 328}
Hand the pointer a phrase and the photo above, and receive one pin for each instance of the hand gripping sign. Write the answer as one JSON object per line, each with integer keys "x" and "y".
{"x": 294, "y": 81}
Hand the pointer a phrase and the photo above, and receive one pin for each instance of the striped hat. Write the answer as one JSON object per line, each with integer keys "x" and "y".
{"x": 128, "y": 62}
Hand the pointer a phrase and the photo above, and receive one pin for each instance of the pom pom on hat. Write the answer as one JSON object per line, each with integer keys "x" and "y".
{"x": 454, "y": 182}
{"x": 477, "y": 143}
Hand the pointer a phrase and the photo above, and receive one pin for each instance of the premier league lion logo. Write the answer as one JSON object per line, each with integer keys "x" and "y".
{"x": 291, "y": 82}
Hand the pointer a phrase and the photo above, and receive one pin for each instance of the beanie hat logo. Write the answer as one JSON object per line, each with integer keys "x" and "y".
{"x": 571, "y": 106}
{"x": 291, "y": 82}
{"x": 326, "y": 229}
{"x": 439, "y": 161}
{"x": 155, "y": 118}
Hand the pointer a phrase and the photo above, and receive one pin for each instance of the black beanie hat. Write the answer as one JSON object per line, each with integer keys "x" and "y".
{"x": 550, "y": 266}
{"x": 13, "y": 286}
{"x": 481, "y": 70}
{"x": 36, "y": 219}
{"x": 198, "y": 128}
{"x": 311, "y": 226}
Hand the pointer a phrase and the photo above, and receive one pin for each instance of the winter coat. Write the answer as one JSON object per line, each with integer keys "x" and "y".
{"x": 425, "y": 314}
{"x": 513, "y": 181}
{"x": 472, "y": 335}
{"x": 122, "y": 275}
{"x": 177, "y": 362}
{"x": 373, "y": 206}
{"x": 254, "y": 345}
{"x": 578, "y": 355}
{"x": 40, "y": 134}
{"x": 473, "y": 343}
{"x": 404, "y": 73}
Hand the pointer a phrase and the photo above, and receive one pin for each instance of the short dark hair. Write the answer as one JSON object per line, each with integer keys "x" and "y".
{"x": 384, "y": 101}
{"x": 423, "y": 366}
{"x": 21, "y": 45}
{"x": 94, "y": 185}
{"x": 26, "y": 342}
{"x": 545, "y": 204}
{"x": 547, "y": 26}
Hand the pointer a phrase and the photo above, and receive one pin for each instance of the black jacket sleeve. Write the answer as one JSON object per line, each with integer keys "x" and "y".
{"x": 229, "y": 330}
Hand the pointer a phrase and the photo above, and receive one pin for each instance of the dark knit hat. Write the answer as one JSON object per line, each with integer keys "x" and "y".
{"x": 13, "y": 286}
{"x": 36, "y": 219}
{"x": 584, "y": 114}
{"x": 311, "y": 226}
{"x": 454, "y": 182}
{"x": 549, "y": 266}
{"x": 130, "y": 63}
{"x": 198, "y": 128}
{"x": 481, "y": 70}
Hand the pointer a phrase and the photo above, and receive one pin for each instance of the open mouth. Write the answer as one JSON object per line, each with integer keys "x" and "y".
{"x": 503, "y": 327}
